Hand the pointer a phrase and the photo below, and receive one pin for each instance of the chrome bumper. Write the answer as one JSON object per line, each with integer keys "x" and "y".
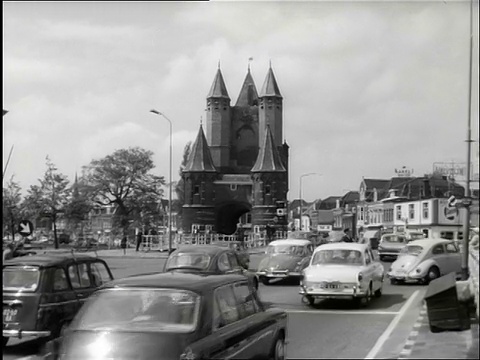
{"x": 21, "y": 333}
{"x": 279, "y": 274}
{"x": 321, "y": 293}
{"x": 406, "y": 277}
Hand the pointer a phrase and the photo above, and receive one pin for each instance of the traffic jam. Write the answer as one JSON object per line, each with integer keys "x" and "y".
{"x": 204, "y": 304}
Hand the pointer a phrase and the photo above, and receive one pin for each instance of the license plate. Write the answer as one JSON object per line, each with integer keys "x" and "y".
{"x": 327, "y": 286}
{"x": 9, "y": 314}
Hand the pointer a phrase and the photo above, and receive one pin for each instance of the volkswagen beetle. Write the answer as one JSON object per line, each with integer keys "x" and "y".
{"x": 425, "y": 260}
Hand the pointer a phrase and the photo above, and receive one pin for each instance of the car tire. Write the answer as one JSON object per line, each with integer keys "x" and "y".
{"x": 5, "y": 340}
{"x": 278, "y": 350}
{"x": 382, "y": 258}
{"x": 432, "y": 274}
{"x": 378, "y": 292}
{"x": 395, "y": 281}
{"x": 265, "y": 281}
{"x": 435, "y": 329}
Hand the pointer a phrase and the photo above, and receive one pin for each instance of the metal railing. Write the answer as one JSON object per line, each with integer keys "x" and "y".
{"x": 160, "y": 242}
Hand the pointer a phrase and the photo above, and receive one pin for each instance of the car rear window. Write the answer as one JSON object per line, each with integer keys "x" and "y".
{"x": 335, "y": 257}
{"x": 285, "y": 249}
{"x": 21, "y": 278}
{"x": 394, "y": 239}
{"x": 412, "y": 250}
{"x": 188, "y": 260}
{"x": 140, "y": 310}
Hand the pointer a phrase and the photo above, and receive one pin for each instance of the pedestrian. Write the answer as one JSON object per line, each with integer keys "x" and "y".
{"x": 139, "y": 239}
{"x": 123, "y": 244}
{"x": 347, "y": 237}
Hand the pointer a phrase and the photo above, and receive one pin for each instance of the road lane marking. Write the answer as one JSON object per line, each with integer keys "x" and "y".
{"x": 386, "y": 334}
{"x": 342, "y": 312}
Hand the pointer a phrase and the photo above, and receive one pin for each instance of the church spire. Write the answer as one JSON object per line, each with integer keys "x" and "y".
{"x": 248, "y": 94}
{"x": 200, "y": 159}
{"x": 218, "y": 89}
{"x": 270, "y": 87}
{"x": 268, "y": 159}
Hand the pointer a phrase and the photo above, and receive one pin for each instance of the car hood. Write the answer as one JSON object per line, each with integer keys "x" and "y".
{"x": 332, "y": 273}
{"x": 123, "y": 345}
{"x": 405, "y": 262}
{"x": 279, "y": 261}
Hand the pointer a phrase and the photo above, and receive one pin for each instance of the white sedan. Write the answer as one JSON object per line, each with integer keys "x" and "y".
{"x": 342, "y": 270}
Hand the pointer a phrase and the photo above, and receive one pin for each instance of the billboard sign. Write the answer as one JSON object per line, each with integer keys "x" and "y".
{"x": 404, "y": 172}
{"x": 450, "y": 169}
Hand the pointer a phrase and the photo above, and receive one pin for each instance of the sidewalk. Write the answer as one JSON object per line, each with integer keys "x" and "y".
{"x": 423, "y": 344}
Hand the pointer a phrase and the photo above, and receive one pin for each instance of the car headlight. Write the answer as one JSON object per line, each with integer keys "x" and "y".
{"x": 298, "y": 266}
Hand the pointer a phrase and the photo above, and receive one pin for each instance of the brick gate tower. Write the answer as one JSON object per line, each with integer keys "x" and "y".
{"x": 239, "y": 165}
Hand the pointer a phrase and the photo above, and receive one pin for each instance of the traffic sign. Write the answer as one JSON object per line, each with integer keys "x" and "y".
{"x": 25, "y": 228}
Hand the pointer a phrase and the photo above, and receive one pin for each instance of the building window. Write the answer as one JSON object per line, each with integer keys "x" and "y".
{"x": 425, "y": 210}
{"x": 361, "y": 213}
{"x": 411, "y": 211}
{"x": 196, "y": 190}
{"x": 267, "y": 189}
{"x": 399, "y": 212}
{"x": 233, "y": 187}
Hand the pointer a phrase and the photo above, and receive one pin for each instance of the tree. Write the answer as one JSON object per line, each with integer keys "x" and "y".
{"x": 54, "y": 195}
{"x": 180, "y": 188}
{"x": 12, "y": 209}
{"x": 122, "y": 179}
{"x": 76, "y": 211}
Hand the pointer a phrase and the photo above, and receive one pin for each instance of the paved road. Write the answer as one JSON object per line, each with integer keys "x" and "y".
{"x": 332, "y": 329}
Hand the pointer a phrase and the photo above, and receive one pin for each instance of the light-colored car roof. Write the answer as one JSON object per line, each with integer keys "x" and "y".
{"x": 342, "y": 246}
{"x": 429, "y": 242}
{"x": 298, "y": 242}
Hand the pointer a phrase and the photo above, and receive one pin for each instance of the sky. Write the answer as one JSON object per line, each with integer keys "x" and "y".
{"x": 368, "y": 86}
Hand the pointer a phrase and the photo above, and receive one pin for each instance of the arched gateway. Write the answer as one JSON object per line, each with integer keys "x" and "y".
{"x": 237, "y": 166}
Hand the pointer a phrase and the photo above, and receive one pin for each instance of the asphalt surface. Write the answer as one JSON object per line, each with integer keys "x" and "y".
{"x": 331, "y": 329}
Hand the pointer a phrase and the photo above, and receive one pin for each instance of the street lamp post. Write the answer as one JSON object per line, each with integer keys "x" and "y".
{"x": 300, "y": 195}
{"x": 170, "y": 183}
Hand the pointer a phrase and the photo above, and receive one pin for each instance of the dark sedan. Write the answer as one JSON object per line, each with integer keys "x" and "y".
{"x": 176, "y": 316}
{"x": 210, "y": 260}
{"x": 285, "y": 259}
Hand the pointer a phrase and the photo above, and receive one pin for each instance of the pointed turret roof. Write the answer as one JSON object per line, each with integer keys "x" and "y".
{"x": 200, "y": 158}
{"x": 218, "y": 89}
{"x": 270, "y": 87}
{"x": 248, "y": 93}
{"x": 268, "y": 159}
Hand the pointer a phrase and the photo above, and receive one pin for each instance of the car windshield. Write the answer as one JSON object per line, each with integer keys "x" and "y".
{"x": 21, "y": 278}
{"x": 416, "y": 236}
{"x": 347, "y": 257}
{"x": 285, "y": 249}
{"x": 412, "y": 250}
{"x": 199, "y": 261}
{"x": 139, "y": 309}
{"x": 394, "y": 239}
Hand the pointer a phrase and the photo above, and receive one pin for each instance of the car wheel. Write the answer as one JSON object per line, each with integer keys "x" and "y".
{"x": 278, "y": 351}
{"x": 378, "y": 292}
{"x": 5, "y": 341}
{"x": 432, "y": 274}
{"x": 310, "y": 300}
{"x": 265, "y": 281}
{"x": 435, "y": 329}
{"x": 382, "y": 258}
{"x": 395, "y": 281}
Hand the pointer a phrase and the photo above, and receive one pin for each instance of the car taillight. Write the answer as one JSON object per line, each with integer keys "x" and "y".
{"x": 360, "y": 276}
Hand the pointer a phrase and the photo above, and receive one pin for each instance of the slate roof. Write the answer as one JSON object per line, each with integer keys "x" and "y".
{"x": 218, "y": 89}
{"x": 200, "y": 158}
{"x": 248, "y": 94}
{"x": 268, "y": 159}
{"x": 270, "y": 87}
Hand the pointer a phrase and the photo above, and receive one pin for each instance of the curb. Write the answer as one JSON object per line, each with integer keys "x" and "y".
{"x": 412, "y": 337}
